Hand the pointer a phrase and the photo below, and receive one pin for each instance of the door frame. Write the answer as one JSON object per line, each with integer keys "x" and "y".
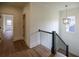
{"x": 3, "y": 15}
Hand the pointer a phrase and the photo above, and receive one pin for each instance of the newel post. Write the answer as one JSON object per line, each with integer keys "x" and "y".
{"x": 67, "y": 51}
{"x": 53, "y": 49}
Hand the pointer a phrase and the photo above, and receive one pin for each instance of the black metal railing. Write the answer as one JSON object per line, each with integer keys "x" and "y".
{"x": 64, "y": 44}
{"x": 44, "y": 31}
{"x": 53, "y": 48}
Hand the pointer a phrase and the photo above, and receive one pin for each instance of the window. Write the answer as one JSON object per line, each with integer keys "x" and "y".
{"x": 9, "y": 22}
{"x": 71, "y": 26}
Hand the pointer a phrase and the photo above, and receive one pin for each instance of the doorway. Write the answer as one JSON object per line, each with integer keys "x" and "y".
{"x": 7, "y": 26}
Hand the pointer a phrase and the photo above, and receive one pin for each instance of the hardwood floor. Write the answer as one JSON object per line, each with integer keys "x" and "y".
{"x": 8, "y": 47}
{"x": 19, "y": 49}
{"x": 20, "y": 45}
{"x": 42, "y": 51}
{"x": 39, "y": 51}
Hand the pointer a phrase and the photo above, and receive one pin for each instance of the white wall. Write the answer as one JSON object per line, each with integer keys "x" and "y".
{"x": 26, "y": 11}
{"x": 45, "y": 18}
{"x": 35, "y": 18}
{"x": 50, "y": 24}
{"x": 72, "y": 39}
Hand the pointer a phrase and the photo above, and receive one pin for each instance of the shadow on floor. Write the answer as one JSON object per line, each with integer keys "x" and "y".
{"x": 20, "y": 45}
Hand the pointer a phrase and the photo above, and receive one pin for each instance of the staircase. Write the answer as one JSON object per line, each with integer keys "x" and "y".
{"x": 55, "y": 49}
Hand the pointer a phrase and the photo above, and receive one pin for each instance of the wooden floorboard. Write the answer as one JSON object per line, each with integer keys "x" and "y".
{"x": 42, "y": 51}
{"x": 19, "y": 49}
{"x": 39, "y": 51}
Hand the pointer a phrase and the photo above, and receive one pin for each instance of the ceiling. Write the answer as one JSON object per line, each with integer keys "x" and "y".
{"x": 15, "y": 4}
{"x": 57, "y": 5}
{"x": 60, "y": 5}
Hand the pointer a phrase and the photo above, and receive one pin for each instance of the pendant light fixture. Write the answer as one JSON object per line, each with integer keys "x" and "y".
{"x": 66, "y": 19}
